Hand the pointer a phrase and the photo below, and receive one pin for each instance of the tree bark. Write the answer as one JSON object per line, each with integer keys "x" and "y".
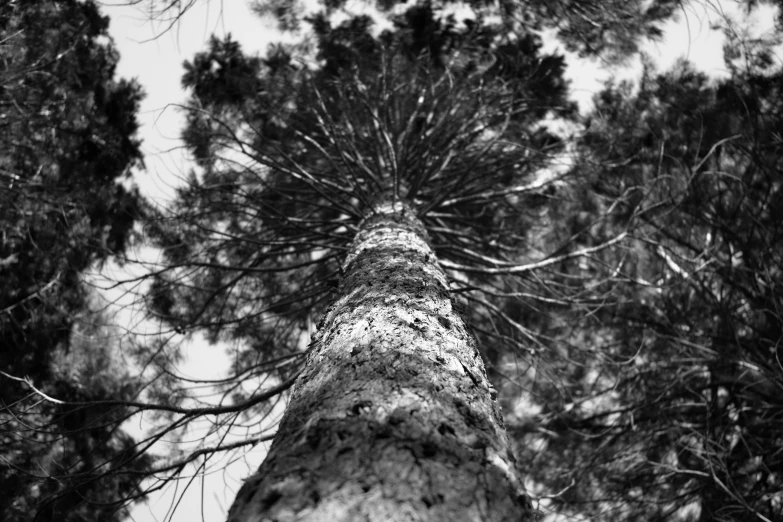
{"x": 393, "y": 418}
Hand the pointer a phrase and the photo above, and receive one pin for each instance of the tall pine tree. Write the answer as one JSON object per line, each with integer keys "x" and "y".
{"x": 399, "y": 151}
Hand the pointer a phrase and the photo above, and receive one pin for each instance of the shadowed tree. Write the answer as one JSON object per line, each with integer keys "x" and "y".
{"x": 66, "y": 142}
{"x": 672, "y": 407}
{"x": 63, "y": 455}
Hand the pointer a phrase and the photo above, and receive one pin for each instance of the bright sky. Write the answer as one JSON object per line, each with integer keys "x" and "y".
{"x": 154, "y": 57}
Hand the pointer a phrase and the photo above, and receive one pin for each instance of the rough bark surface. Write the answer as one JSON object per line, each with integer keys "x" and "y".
{"x": 393, "y": 418}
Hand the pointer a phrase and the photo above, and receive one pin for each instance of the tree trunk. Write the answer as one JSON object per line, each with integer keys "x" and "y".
{"x": 393, "y": 418}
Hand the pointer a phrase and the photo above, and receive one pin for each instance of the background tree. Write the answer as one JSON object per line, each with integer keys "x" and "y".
{"x": 66, "y": 143}
{"x": 668, "y": 404}
{"x": 610, "y": 29}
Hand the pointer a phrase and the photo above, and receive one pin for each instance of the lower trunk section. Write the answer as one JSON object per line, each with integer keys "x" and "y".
{"x": 393, "y": 418}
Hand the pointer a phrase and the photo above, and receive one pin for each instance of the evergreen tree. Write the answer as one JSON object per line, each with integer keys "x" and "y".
{"x": 323, "y": 180}
{"x": 669, "y": 403}
{"x": 398, "y": 189}
{"x": 66, "y": 142}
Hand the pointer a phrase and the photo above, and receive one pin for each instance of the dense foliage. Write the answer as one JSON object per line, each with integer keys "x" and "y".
{"x": 671, "y": 401}
{"x": 623, "y": 279}
{"x": 627, "y": 307}
{"x": 610, "y": 29}
{"x": 66, "y": 142}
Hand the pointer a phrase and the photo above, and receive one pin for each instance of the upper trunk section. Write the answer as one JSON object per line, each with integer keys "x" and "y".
{"x": 393, "y": 417}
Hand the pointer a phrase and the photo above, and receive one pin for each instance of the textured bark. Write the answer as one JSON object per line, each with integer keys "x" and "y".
{"x": 393, "y": 418}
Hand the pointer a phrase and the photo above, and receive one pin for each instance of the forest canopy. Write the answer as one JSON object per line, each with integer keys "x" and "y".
{"x": 622, "y": 277}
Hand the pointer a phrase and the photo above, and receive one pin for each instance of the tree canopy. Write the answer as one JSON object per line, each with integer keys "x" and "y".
{"x": 622, "y": 278}
{"x": 67, "y": 143}
{"x": 673, "y": 406}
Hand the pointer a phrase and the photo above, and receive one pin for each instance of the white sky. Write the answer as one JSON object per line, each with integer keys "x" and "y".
{"x": 155, "y": 57}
